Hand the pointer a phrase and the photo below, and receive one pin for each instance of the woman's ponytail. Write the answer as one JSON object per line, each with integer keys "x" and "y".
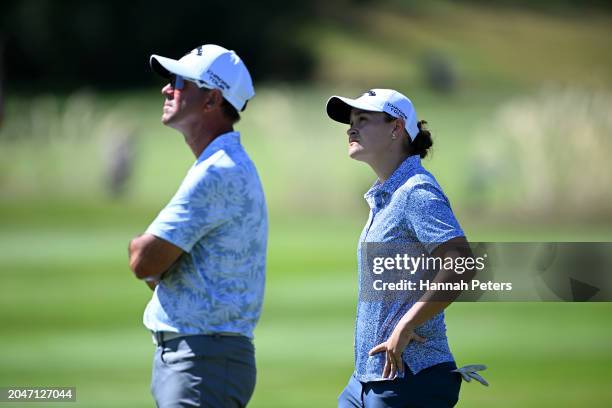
{"x": 421, "y": 143}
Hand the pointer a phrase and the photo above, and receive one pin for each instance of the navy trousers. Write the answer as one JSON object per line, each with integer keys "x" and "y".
{"x": 204, "y": 371}
{"x": 433, "y": 387}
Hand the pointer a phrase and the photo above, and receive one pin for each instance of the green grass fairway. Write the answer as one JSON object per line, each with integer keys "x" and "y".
{"x": 71, "y": 315}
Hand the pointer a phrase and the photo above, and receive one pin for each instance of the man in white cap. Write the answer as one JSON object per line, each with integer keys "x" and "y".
{"x": 204, "y": 255}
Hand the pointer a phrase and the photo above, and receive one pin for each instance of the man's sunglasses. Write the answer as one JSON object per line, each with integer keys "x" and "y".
{"x": 177, "y": 82}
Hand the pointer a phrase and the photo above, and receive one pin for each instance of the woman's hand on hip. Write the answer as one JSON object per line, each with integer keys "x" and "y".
{"x": 393, "y": 349}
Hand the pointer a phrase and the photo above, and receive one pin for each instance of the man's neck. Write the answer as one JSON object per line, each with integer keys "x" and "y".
{"x": 200, "y": 137}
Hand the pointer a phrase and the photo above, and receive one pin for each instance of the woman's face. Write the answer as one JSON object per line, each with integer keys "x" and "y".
{"x": 369, "y": 135}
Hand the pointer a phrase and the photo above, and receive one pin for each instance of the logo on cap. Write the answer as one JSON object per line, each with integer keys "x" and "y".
{"x": 370, "y": 93}
{"x": 218, "y": 81}
{"x": 198, "y": 51}
{"x": 397, "y": 110}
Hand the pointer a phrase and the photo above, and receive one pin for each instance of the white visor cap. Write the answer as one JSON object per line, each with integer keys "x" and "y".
{"x": 376, "y": 100}
{"x": 213, "y": 67}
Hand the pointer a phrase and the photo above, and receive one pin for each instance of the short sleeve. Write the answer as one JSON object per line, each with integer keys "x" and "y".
{"x": 431, "y": 217}
{"x": 200, "y": 205}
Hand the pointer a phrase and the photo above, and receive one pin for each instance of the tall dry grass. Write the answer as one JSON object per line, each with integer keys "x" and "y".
{"x": 52, "y": 145}
{"x": 548, "y": 155}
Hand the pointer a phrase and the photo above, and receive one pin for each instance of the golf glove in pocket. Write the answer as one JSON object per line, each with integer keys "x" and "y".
{"x": 469, "y": 371}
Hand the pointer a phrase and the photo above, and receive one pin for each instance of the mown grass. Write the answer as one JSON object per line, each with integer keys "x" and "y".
{"x": 72, "y": 316}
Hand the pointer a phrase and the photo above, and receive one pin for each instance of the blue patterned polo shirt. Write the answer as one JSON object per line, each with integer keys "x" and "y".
{"x": 218, "y": 217}
{"x": 409, "y": 207}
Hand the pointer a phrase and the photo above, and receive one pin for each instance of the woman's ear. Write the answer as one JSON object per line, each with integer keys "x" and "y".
{"x": 400, "y": 123}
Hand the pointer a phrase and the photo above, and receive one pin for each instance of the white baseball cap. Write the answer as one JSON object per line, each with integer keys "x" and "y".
{"x": 375, "y": 100}
{"x": 213, "y": 67}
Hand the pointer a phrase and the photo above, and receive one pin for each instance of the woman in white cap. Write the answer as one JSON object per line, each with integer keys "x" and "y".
{"x": 402, "y": 357}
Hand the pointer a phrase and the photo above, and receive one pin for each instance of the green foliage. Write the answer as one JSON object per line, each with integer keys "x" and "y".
{"x": 488, "y": 47}
{"x": 107, "y": 44}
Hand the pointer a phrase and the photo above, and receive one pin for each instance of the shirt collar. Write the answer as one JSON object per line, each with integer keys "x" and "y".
{"x": 399, "y": 177}
{"x": 218, "y": 143}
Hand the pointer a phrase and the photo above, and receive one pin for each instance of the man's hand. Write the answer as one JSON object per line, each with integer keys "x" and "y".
{"x": 394, "y": 347}
{"x": 151, "y": 256}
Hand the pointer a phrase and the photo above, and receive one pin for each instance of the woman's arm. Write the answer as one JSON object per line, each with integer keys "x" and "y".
{"x": 429, "y": 304}
{"x": 427, "y": 307}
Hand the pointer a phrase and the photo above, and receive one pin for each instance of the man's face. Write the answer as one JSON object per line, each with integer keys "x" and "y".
{"x": 181, "y": 105}
{"x": 369, "y": 135}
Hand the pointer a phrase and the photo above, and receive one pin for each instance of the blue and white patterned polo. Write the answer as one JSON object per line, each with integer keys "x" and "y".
{"x": 409, "y": 207}
{"x": 218, "y": 217}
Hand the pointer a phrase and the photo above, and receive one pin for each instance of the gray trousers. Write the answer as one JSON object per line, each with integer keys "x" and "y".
{"x": 204, "y": 371}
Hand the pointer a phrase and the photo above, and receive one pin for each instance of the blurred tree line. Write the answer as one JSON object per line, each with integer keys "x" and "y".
{"x": 106, "y": 43}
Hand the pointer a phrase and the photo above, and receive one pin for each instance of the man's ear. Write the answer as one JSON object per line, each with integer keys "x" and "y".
{"x": 213, "y": 98}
